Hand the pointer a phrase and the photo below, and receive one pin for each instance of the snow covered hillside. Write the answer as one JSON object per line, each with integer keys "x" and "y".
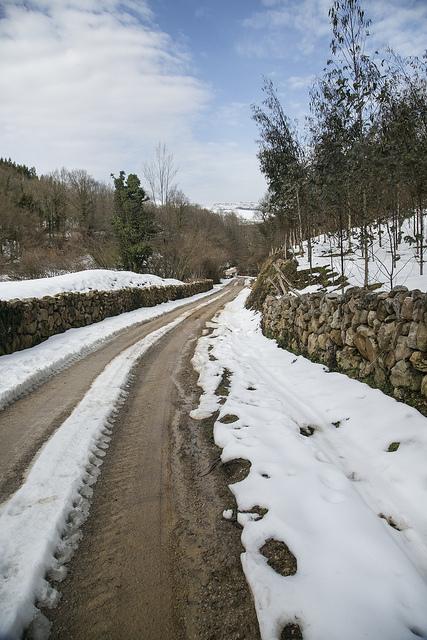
{"x": 332, "y": 505}
{"x": 80, "y": 281}
{"x": 406, "y": 271}
{"x": 247, "y": 210}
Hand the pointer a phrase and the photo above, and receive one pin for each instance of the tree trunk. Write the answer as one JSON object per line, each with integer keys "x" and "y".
{"x": 301, "y": 246}
{"x": 341, "y": 237}
{"x": 348, "y": 221}
{"x": 310, "y": 252}
{"x": 421, "y": 237}
{"x": 365, "y": 242}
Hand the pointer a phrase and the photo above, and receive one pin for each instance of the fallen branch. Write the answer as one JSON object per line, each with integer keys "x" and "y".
{"x": 284, "y": 281}
{"x": 271, "y": 281}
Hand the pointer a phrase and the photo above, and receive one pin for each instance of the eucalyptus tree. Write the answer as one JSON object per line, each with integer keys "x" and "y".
{"x": 402, "y": 128}
{"x": 282, "y": 161}
{"x": 414, "y": 97}
{"x": 330, "y": 143}
{"x": 354, "y": 78}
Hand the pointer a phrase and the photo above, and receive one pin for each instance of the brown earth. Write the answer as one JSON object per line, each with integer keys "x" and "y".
{"x": 157, "y": 561}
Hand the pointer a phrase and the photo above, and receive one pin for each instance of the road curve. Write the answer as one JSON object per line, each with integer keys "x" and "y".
{"x": 27, "y": 423}
{"x": 149, "y": 563}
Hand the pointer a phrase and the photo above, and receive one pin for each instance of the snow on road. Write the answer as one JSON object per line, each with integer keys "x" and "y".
{"x": 22, "y": 370}
{"x": 80, "y": 282}
{"x": 39, "y": 524}
{"x": 350, "y": 510}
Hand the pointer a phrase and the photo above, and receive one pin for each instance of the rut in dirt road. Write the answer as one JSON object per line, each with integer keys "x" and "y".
{"x": 30, "y": 421}
{"x": 156, "y": 561}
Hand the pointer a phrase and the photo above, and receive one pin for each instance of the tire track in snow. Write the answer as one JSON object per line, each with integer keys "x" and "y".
{"x": 39, "y": 524}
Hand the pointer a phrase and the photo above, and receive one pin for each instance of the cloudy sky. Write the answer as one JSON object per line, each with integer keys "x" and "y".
{"x": 95, "y": 84}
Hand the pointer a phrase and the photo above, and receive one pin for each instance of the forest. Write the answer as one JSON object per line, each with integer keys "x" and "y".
{"x": 67, "y": 221}
{"x": 358, "y": 168}
{"x": 354, "y": 171}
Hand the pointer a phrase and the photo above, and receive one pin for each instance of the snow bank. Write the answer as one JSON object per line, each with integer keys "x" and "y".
{"x": 23, "y": 370}
{"x": 81, "y": 281}
{"x": 349, "y": 507}
{"x": 39, "y": 524}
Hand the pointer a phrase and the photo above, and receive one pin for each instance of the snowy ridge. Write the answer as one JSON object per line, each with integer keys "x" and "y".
{"x": 81, "y": 282}
{"x": 346, "y": 504}
{"x": 23, "y": 371}
{"x": 39, "y": 524}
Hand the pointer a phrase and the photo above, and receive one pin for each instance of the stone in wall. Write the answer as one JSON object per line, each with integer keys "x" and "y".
{"x": 380, "y": 338}
{"x": 25, "y": 323}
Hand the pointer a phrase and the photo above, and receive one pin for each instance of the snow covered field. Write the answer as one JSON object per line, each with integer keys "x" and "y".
{"x": 39, "y": 524}
{"x": 80, "y": 281}
{"x": 406, "y": 271}
{"x": 340, "y": 467}
{"x": 23, "y": 370}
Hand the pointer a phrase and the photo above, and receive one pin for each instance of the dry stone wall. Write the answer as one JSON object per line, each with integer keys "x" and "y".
{"x": 379, "y": 338}
{"x": 25, "y": 323}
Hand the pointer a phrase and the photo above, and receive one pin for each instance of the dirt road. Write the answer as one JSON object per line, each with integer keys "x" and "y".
{"x": 156, "y": 560}
{"x": 27, "y": 423}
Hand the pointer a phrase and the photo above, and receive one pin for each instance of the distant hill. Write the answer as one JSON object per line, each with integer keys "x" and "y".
{"x": 247, "y": 210}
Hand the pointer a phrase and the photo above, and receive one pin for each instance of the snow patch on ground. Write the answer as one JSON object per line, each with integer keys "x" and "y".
{"x": 23, "y": 370}
{"x": 39, "y": 524}
{"x": 350, "y": 510}
{"x": 81, "y": 282}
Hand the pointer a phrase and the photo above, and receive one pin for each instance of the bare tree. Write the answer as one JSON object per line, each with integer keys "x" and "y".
{"x": 160, "y": 174}
{"x": 82, "y": 197}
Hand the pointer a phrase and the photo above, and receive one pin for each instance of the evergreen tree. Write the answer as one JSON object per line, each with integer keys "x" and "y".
{"x": 133, "y": 222}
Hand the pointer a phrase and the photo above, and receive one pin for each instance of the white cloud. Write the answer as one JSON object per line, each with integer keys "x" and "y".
{"x": 273, "y": 18}
{"x": 300, "y": 82}
{"x": 96, "y": 84}
{"x": 233, "y": 114}
{"x": 221, "y": 172}
{"x": 401, "y": 24}
{"x": 84, "y": 82}
{"x": 282, "y": 21}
